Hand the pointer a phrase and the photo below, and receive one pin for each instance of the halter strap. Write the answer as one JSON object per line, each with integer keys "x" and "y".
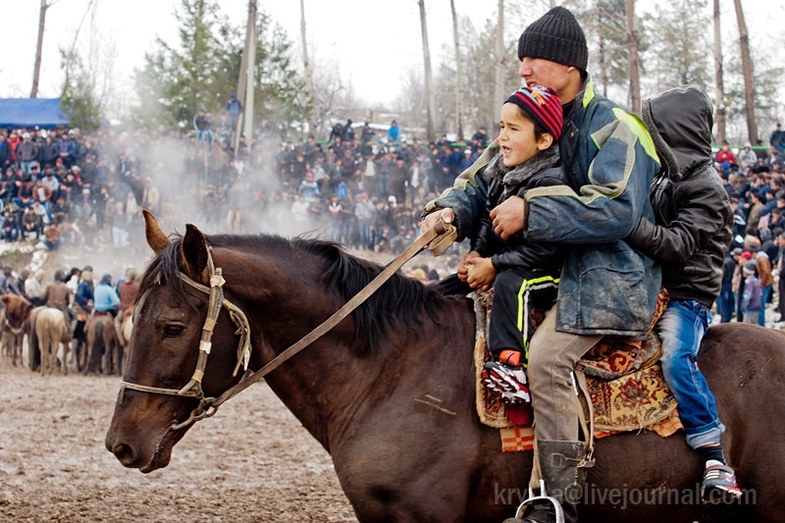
{"x": 193, "y": 388}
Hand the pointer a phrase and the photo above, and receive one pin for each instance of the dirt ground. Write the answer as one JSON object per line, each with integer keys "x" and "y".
{"x": 252, "y": 461}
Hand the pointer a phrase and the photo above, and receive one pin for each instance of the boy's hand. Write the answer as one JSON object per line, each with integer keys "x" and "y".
{"x": 481, "y": 273}
{"x": 465, "y": 263}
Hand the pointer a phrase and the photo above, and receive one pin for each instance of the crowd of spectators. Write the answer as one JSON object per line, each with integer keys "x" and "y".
{"x": 66, "y": 186}
{"x": 63, "y": 186}
{"x": 361, "y": 187}
{"x": 755, "y": 183}
{"x": 368, "y": 193}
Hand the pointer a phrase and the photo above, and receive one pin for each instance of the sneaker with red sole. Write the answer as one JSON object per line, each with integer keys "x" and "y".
{"x": 508, "y": 380}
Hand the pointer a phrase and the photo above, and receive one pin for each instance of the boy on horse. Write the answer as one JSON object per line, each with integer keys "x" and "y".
{"x": 690, "y": 237}
{"x": 523, "y": 273}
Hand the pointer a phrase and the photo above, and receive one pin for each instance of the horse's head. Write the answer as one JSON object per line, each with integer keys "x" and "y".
{"x": 168, "y": 378}
{"x": 17, "y": 310}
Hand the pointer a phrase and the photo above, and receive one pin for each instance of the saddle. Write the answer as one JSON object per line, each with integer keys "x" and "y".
{"x": 621, "y": 377}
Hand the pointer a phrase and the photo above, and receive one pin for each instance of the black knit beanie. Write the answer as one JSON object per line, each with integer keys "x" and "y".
{"x": 555, "y": 36}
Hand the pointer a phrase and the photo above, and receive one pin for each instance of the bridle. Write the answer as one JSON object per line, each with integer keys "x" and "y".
{"x": 439, "y": 238}
{"x": 193, "y": 389}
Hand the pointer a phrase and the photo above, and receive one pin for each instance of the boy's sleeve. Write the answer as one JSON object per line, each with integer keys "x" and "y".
{"x": 468, "y": 195}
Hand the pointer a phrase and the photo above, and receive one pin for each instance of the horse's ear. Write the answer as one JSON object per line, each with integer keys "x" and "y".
{"x": 156, "y": 238}
{"x": 193, "y": 253}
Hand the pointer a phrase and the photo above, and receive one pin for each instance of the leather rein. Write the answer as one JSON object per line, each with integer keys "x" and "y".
{"x": 439, "y": 237}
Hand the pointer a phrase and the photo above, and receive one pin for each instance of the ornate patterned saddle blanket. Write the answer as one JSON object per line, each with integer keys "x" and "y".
{"x": 623, "y": 378}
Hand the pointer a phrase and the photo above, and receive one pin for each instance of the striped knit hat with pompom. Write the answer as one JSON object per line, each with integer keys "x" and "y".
{"x": 542, "y": 105}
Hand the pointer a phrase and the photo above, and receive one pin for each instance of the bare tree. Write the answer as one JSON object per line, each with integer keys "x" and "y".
{"x": 429, "y": 95}
{"x": 245, "y": 82}
{"x": 635, "y": 72}
{"x": 458, "y": 73}
{"x": 746, "y": 68}
{"x": 718, "y": 74}
{"x": 39, "y": 46}
{"x": 499, "y": 62}
{"x": 307, "y": 68}
{"x": 250, "y": 90}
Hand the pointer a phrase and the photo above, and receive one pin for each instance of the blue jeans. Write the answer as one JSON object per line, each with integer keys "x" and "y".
{"x": 364, "y": 230}
{"x": 680, "y": 329}
{"x": 725, "y": 303}
{"x": 765, "y": 292}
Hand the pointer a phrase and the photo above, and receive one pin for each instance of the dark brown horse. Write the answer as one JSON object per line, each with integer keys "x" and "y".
{"x": 101, "y": 345}
{"x": 389, "y": 392}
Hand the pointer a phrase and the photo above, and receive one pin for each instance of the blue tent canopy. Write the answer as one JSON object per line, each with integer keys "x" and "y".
{"x": 30, "y": 112}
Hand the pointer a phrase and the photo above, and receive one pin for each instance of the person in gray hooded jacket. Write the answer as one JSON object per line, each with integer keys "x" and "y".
{"x": 690, "y": 238}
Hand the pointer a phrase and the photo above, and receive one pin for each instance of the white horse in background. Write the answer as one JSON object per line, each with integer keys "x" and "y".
{"x": 52, "y": 330}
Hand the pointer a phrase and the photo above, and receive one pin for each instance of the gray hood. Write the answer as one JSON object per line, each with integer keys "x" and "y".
{"x": 680, "y": 122}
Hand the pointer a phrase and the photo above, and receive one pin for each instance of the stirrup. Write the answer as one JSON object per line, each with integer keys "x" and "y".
{"x": 544, "y": 497}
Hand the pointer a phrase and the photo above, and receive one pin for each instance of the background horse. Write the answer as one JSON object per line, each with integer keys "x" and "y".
{"x": 102, "y": 345}
{"x": 13, "y": 324}
{"x": 51, "y": 331}
{"x": 390, "y": 391}
{"x": 124, "y": 332}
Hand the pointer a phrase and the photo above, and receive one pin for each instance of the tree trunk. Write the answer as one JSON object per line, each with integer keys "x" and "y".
{"x": 308, "y": 71}
{"x": 746, "y": 68}
{"x": 718, "y": 75}
{"x": 499, "y": 90}
{"x": 635, "y": 73}
{"x": 250, "y": 88}
{"x": 246, "y": 81}
{"x": 602, "y": 56}
{"x": 458, "y": 74}
{"x": 39, "y": 48}
{"x": 429, "y": 95}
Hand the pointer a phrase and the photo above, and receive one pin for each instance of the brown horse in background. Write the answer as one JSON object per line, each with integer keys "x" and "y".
{"x": 13, "y": 324}
{"x": 102, "y": 346}
{"x": 390, "y": 392}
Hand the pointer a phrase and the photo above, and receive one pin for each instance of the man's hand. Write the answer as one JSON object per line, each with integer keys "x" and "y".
{"x": 509, "y": 217}
{"x": 428, "y": 223}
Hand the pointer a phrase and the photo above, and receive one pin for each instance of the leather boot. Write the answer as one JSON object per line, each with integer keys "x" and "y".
{"x": 559, "y": 462}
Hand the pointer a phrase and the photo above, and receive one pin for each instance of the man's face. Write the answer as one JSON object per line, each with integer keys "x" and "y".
{"x": 541, "y": 72}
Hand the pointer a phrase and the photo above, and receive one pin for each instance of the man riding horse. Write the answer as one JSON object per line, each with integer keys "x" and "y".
{"x": 607, "y": 287}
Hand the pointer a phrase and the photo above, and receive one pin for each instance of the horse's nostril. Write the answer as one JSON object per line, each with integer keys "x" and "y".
{"x": 123, "y": 452}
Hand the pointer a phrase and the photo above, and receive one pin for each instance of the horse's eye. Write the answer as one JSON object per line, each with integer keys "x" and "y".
{"x": 172, "y": 331}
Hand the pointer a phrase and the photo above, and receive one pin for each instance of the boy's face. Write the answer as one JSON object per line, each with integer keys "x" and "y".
{"x": 517, "y": 138}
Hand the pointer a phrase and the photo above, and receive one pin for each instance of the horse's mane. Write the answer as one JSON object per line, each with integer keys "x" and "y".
{"x": 401, "y": 304}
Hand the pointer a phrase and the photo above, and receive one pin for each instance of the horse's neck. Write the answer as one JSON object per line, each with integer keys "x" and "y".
{"x": 331, "y": 390}
{"x": 323, "y": 387}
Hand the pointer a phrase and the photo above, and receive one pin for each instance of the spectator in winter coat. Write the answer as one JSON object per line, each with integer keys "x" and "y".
{"x": 28, "y": 153}
{"x": 751, "y": 297}
{"x": 747, "y": 157}
{"x": 725, "y": 154}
